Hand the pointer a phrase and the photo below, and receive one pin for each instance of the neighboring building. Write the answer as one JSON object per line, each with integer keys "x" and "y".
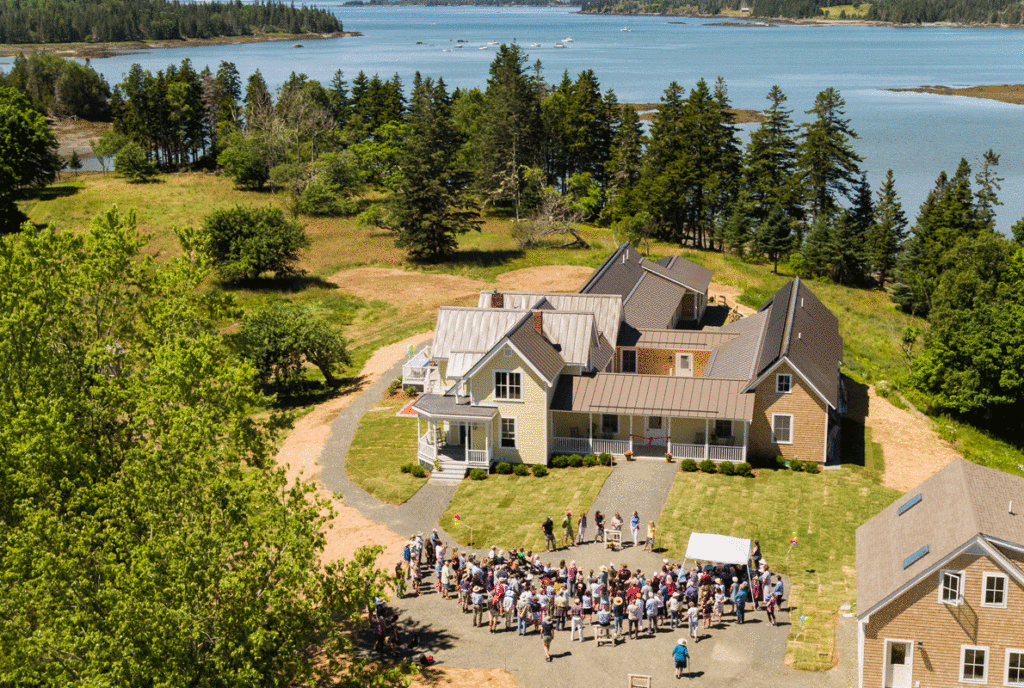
{"x": 527, "y": 375}
{"x": 940, "y": 583}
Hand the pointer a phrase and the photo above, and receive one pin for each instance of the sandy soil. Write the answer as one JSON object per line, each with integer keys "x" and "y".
{"x": 74, "y": 135}
{"x": 912, "y": 449}
{"x": 731, "y": 296}
{"x": 454, "y": 677}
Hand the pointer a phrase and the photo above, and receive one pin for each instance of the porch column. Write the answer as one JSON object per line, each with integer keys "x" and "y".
{"x": 668, "y": 440}
{"x": 590, "y": 431}
{"x": 469, "y": 438}
{"x": 746, "y": 429}
{"x": 707, "y": 437}
{"x": 631, "y": 432}
{"x": 432, "y": 425}
{"x": 418, "y": 433}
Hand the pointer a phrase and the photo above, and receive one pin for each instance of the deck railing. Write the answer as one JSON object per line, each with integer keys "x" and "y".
{"x": 572, "y": 445}
{"x": 417, "y": 369}
{"x": 734, "y": 454}
{"x": 682, "y": 451}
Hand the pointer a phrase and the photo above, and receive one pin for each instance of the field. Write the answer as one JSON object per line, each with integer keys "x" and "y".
{"x": 852, "y": 11}
{"x": 382, "y": 444}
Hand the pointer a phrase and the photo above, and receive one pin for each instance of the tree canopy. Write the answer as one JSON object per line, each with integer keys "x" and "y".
{"x": 28, "y": 153}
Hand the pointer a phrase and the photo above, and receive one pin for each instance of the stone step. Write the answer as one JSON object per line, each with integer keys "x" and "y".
{"x": 451, "y": 472}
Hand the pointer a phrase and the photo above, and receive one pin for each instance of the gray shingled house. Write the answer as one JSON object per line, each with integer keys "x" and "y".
{"x": 940, "y": 583}
{"x": 524, "y": 375}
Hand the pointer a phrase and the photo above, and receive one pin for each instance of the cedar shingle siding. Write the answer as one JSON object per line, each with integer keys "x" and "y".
{"x": 809, "y": 413}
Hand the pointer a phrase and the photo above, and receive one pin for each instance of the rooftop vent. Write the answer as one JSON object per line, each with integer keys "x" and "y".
{"x": 916, "y": 556}
{"x": 913, "y": 501}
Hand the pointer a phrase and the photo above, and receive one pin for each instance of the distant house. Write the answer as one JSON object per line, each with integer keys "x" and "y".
{"x": 525, "y": 375}
{"x": 940, "y": 583}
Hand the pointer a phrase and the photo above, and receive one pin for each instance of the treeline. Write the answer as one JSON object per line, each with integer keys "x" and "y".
{"x": 957, "y": 11}
{"x": 70, "y": 21}
{"x": 59, "y": 88}
{"x": 672, "y": 7}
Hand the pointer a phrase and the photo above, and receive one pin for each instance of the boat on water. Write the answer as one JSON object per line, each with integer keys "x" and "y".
{"x": 535, "y": 45}
{"x": 447, "y": 50}
{"x": 296, "y": 45}
{"x": 483, "y": 47}
{"x": 625, "y": 28}
{"x": 566, "y": 40}
{"x": 559, "y": 45}
{"x": 492, "y": 43}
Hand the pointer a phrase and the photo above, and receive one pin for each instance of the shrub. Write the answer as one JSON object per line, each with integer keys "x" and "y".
{"x": 560, "y": 462}
{"x": 503, "y": 468}
{"x": 478, "y": 474}
{"x": 521, "y": 469}
{"x": 418, "y": 472}
{"x": 406, "y": 468}
{"x": 708, "y": 466}
{"x": 244, "y": 160}
{"x": 780, "y": 463}
{"x": 688, "y": 466}
{"x": 411, "y": 391}
{"x": 812, "y": 467}
{"x": 245, "y": 242}
{"x": 394, "y": 387}
{"x": 589, "y": 460}
{"x": 796, "y": 465}
{"x": 744, "y": 469}
{"x": 727, "y": 468}
{"x": 132, "y": 163}
{"x": 539, "y": 470}
{"x": 605, "y": 459}
{"x": 576, "y": 461}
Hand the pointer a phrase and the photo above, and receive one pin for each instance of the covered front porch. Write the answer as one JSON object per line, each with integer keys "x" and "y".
{"x": 650, "y": 436}
{"x": 452, "y": 433}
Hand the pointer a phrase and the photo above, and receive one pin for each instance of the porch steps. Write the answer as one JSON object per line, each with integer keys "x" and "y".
{"x": 451, "y": 472}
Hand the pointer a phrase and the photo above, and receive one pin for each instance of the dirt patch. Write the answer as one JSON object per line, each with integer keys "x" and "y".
{"x": 405, "y": 288}
{"x": 454, "y": 677}
{"x": 74, "y": 135}
{"x": 731, "y": 296}
{"x": 913, "y": 450}
{"x": 546, "y": 278}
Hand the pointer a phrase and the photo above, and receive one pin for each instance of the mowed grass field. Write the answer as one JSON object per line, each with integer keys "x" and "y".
{"x": 383, "y": 442}
{"x": 823, "y": 511}
{"x": 508, "y": 510}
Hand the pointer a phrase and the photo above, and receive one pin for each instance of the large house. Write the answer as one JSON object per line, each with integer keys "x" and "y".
{"x": 940, "y": 583}
{"x": 622, "y": 367}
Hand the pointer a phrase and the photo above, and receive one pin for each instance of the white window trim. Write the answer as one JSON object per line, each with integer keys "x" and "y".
{"x": 1006, "y": 667}
{"x": 515, "y": 433}
{"x": 778, "y": 378}
{"x": 963, "y": 652}
{"x": 636, "y": 362}
{"x": 512, "y": 400}
{"x": 984, "y": 585}
{"x": 942, "y": 576}
{"x": 775, "y": 440}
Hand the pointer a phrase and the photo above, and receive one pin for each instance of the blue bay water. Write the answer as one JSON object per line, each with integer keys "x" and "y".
{"x": 917, "y": 135}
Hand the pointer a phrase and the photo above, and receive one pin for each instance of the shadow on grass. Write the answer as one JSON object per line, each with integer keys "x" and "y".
{"x": 852, "y": 441}
{"x": 283, "y": 283}
{"x": 479, "y": 258}
{"x": 303, "y": 393}
{"x": 52, "y": 193}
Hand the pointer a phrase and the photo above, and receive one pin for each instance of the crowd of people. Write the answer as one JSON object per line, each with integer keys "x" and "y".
{"x": 516, "y": 589}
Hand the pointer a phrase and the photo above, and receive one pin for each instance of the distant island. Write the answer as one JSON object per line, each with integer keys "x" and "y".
{"x": 1005, "y": 93}
{"x": 118, "y": 21}
{"x": 964, "y": 12}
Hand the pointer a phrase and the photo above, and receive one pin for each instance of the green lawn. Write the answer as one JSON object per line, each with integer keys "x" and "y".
{"x": 824, "y": 511}
{"x": 384, "y": 442}
{"x": 507, "y": 511}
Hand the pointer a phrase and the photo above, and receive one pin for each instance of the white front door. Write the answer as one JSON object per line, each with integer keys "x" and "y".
{"x": 684, "y": 365}
{"x": 655, "y": 431}
{"x": 898, "y": 663}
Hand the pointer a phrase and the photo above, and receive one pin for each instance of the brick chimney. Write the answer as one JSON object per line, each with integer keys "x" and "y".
{"x": 538, "y": 322}
{"x": 497, "y": 299}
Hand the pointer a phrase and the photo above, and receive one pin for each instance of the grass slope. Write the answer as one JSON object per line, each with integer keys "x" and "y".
{"x": 382, "y": 443}
{"x": 507, "y": 511}
{"x": 823, "y": 510}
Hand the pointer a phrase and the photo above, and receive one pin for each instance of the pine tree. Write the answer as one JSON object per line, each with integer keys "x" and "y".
{"x": 888, "y": 232}
{"x": 773, "y": 237}
{"x": 988, "y": 188}
{"x": 770, "y": 165}
{"x": 829, "y": 166}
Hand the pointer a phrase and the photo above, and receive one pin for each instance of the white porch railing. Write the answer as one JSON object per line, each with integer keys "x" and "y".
{"x": 572, "y": 445}
{"x": 688, "y": 451}
{"x": 734, "y": 454}
{"x": 611, "y": 446}
{"x": 478, "y": 458}
{"x": 714, "y": 452}
{"x": 416, "y": 370}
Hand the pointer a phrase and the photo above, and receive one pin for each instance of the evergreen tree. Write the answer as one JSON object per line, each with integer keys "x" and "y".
{"x": 734, "y": 234}
{"x": 770, "y": 165}
{"x": 773, "y": 237}
{"x": 888, "y": 232}
{"x": 259, "y": 104}
{"x": 828, "y": 165}
{"x": 429, "y": 208}
{"x": 988, "y": 188}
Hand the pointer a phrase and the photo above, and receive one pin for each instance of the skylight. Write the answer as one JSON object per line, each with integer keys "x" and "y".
{"x": 913, "y": 558}
{"x": 907, "y": 506}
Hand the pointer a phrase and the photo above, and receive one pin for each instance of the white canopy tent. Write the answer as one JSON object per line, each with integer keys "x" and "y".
{"x": 720, "y": 549}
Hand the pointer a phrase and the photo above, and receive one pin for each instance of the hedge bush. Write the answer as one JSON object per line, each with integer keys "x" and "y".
{"x": 406, "y": 468}
{"x": 503, "y": 468}
{"x": 418, "y": 472}
{"x": 411, "y": 391}
{"x": 796, "y": 465}
{"x": 589, "y": 460}
{"x": 727, "y": 468}
{"x": 539, "y": 470}
{"x": 605, "y": 459}
{"x": 812, "y": 467}
{"x": 576, "y": 461}
{"x": 395, "y": 386}
{"x": 478, "y": 474}
{"x": 745, "y": 470}
{"x": 560, "y": 462}
{"x": 708, "y": 466}
{"x": 780, "y": 463}
{"x": 520, "y": 469}
{"x": 688, "y": 466}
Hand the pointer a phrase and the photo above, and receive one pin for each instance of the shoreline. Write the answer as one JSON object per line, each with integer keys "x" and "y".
{"x": 766, "y": 22}
{"x": 1003, "y": 93}
{"x": 102, "y": 50}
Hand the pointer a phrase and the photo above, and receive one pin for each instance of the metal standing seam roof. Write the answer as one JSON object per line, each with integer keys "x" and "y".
{"x": 959, "y": 502}
{"x": 574, "y": 333}
{"x": 679, "y": 397}
{"x": 606, "y": 308}
{"x": 677, "y": 339}
{"x": 470, "y": 330}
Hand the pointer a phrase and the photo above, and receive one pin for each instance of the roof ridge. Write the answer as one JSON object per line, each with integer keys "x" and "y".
{"x": 788, "y": 329}
{"x": 972, "y": 504}
{"x": 603, "y": 268}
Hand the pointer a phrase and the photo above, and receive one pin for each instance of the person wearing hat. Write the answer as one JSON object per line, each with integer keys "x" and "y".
{"x": 479, "y": 603}
{"x": 568, "y": 539}
{"x": 618, "y": 611}
{"x": 682, "y": 657}
{"x": 549, "y": 533}
{"x": 547, "y": 632}
{"x": 673, "y": 609}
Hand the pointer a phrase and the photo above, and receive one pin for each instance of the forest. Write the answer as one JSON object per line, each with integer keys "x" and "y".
{"x": 74, "y": 21}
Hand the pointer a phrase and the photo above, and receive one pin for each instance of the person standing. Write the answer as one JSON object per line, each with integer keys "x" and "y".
{"x": 581, "y": 529}
{"x": 682, "y": 657}
{"x": 741, "y": 603}
{"x": 651, "y": 530}
{"x": 634, "y": 528}
{"x": 547, "y": 632}
{"x": 755, "y": 556}
{"x": 693, "y": 622}
{"x": 549, "y": 533}
{"x": 770, "y": 609}
{"x": 779, "y": 589}
{"x": 567, "y": 536}
{"x": 599, "y": 524}
{"x": 576, "y": 620}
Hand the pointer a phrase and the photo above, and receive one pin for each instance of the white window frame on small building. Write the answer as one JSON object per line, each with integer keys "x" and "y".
{"x": 781, "y": 388}
{"x": 951, "y": 573}
{"x": 985, "y": 578}
{"x": 514, "y": 434}
{"x": 1019, "y": 651}
{"x": 775, "y": 436}
{"x": 984, "y": 667}
{"x": 508, "y": 386}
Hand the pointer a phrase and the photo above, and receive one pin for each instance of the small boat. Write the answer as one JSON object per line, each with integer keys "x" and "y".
{"x": 459, "y": 45}
{"x": 559, "y": 45}
{"x": 493, "y": 43}
{"x": 296, "y": 45}
{"x": 567, "y": 40}
{"x": 625, "y": 28}
{"x": 535, "y": 45}
{"x": 447, "y": 50}
{"x": 419, "y": 42}
{"x": 483, "y": 47}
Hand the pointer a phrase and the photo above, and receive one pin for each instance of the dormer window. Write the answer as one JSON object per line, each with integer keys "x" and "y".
{"x": 783, "y": 383}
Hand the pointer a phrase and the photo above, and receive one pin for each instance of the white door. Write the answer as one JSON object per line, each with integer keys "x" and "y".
{"x": 898, "y": 664}
{"x": 684, "y": 365}
{"x": 655, "y": 431}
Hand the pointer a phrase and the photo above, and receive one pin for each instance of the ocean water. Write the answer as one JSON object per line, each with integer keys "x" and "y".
{"x": 917, "y": 135}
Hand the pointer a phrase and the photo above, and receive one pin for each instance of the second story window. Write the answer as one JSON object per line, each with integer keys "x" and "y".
{"x": 508, "y": 385}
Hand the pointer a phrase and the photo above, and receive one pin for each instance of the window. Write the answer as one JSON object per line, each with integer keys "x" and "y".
{"x": 610, "y": 424}
{"x": 684, "y": 365}
{"x": 723, "y": 428}
{"x": 973, "y": 664}
{"x": 508, "y": 433}
{"x": 629, "y": 360}
{"x": 654, "y": 423}
{"x": 507, "y": 385}
{"x": 782, "y": 428}
{"x": 1014, "y": 667}
{"x": 951, "y": 587}
{"x": 783, "y": 383}
{"x": 993, "y": 591}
